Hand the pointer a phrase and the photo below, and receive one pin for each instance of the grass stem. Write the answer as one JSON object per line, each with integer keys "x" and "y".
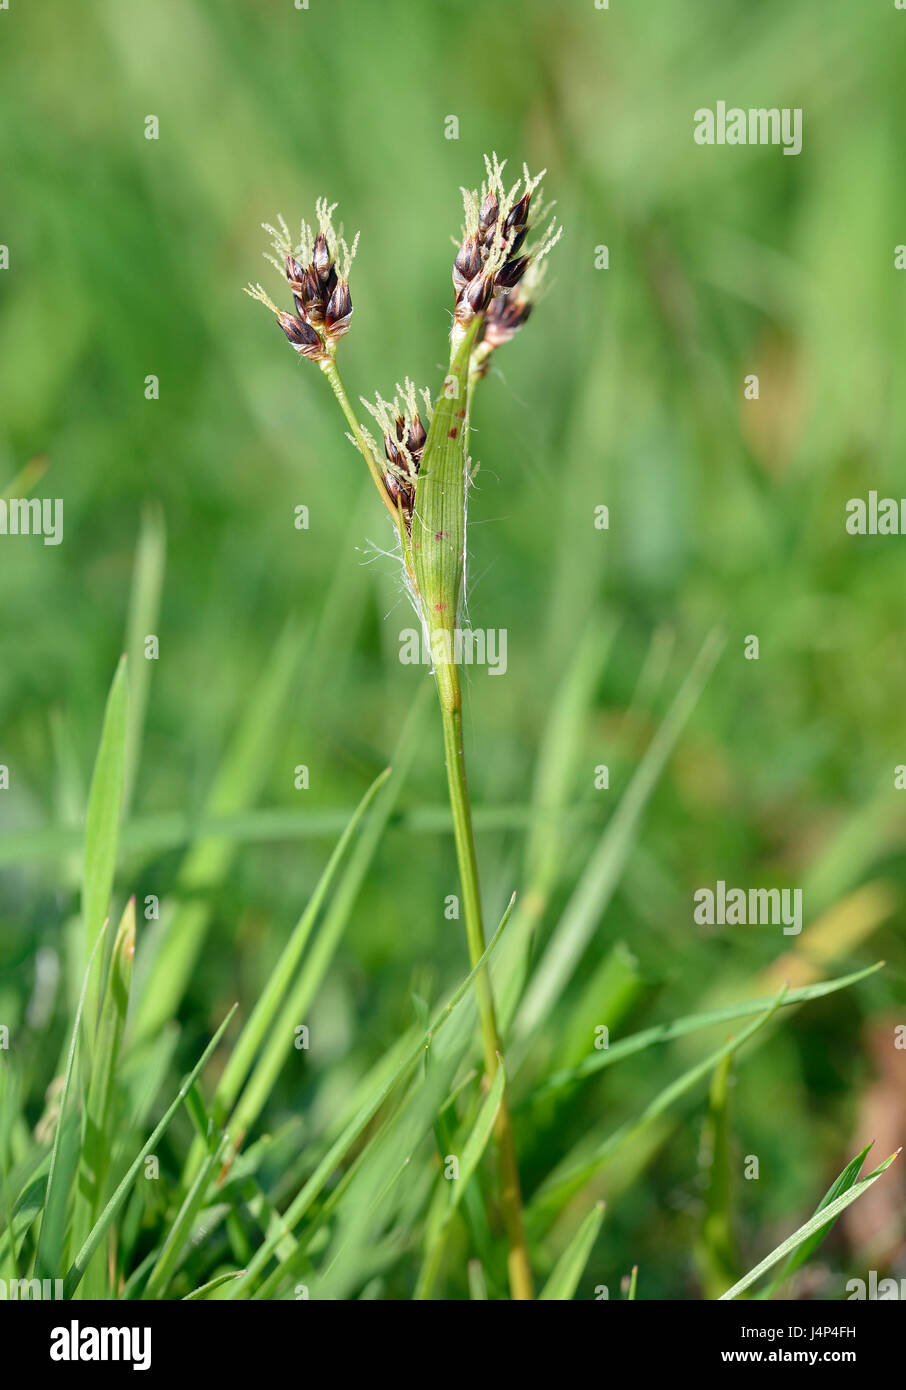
{"x": 329, "y": 368}
{"x": 520, "y": 1273}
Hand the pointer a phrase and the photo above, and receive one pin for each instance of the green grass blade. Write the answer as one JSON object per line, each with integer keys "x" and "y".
{"x": 568, "y": 1270}
{"x": 548, "y": 831}
{"x": 96, "y": 1235}
{"x": 99, "y": 1133}
{"x": 803, "y": 1252}
{"x": 478, "y": 1139}
{"x": 264, "y": 1013}
{"x": 714, "y": 1250}
{"x": 691, "y": 1023}
{"x": 595, "y": 888}
{"x": 821, "y": 1222}
{"x": 571, "y": 1175}
{"x": 304, "y": 989}
{"x": 102, "y": 822}
{"x": 181, "y": 1230}
{"x": 63, "y": 1154}
{"x": 159, "y": 832}
{"x": 450, "y": 1194}
{"x": 340, "y": 1148}
{"x": 204, "y": 1290}
{"x": 10, "y": 1113}
{"x": 235, "y": 786}
{"x": 633, "y": 1284}
{"x": 132, "y": 1288}
{"x": 23, "y": 1211}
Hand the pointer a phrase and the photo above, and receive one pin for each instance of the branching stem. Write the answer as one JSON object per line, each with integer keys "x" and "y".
{"x": 329, "y": 368}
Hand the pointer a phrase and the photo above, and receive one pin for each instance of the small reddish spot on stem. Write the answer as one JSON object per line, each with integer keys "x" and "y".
{"x": 454, "y": 432}
{"x": 439, "y": 607}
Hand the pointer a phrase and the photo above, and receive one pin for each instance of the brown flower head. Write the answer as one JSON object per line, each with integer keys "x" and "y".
{"x": 402, "y": 425}
{"x": 495, "y": 252}
{"x": 317, "y": 272}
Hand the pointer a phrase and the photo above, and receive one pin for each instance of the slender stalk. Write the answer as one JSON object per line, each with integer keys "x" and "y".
{"x": 520, "y": 1273}
{"x": 329, "y": 368}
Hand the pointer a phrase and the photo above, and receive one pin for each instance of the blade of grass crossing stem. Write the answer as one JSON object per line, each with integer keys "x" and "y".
{"x": 102, "y": 824}
{"x": 847, "y": 1179}
{"x": 572, "y": 1174}
{"x": 141, "y": 627}
{"x": 100, "y": 1120}
{"x": 570, "y": 1267}
{"x": 96, "y": 1235}
{"x": 279, "y": 1045}
{"x": 633, "y": 1283}
{"x": 451, "y": 1193}
{"x": 265, "y": 1011}
{"x": 369, "y": 1108}
{"x": 823, "y": 1219}
{"x": 63, "y": 1154}
{"x": 596, "y": 886}
{"x": 236, "y": 785}
{"x": 691, "y": 1023}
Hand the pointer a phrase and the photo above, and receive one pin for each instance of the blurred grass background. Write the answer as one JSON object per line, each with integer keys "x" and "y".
{"x": 128, "y": 257}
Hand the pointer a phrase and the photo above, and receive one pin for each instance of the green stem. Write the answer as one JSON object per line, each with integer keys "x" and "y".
{"x": 329, "y": 368}
{"x": 521, "y": 1284}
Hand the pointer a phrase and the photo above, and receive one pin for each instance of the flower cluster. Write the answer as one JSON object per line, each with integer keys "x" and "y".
{"x": 499, "y": 263}
{"x": 317, "y": 269}
{"x": 401, "y": 422}
{"x": 497, "y": 267}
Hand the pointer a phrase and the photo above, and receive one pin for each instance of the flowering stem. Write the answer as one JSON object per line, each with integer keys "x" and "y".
{"x": 438, "y": 543}
{"x": 521, "y": 1285}
{"x": 329, "y": 368}
{"x": 424, "y": 485}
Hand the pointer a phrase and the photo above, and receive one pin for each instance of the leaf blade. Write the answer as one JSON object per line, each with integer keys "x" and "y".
{"x": 822, "y": 1220}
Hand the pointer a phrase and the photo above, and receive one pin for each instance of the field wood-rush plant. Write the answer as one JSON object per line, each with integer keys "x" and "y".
{"x": 135, "y": 1185}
